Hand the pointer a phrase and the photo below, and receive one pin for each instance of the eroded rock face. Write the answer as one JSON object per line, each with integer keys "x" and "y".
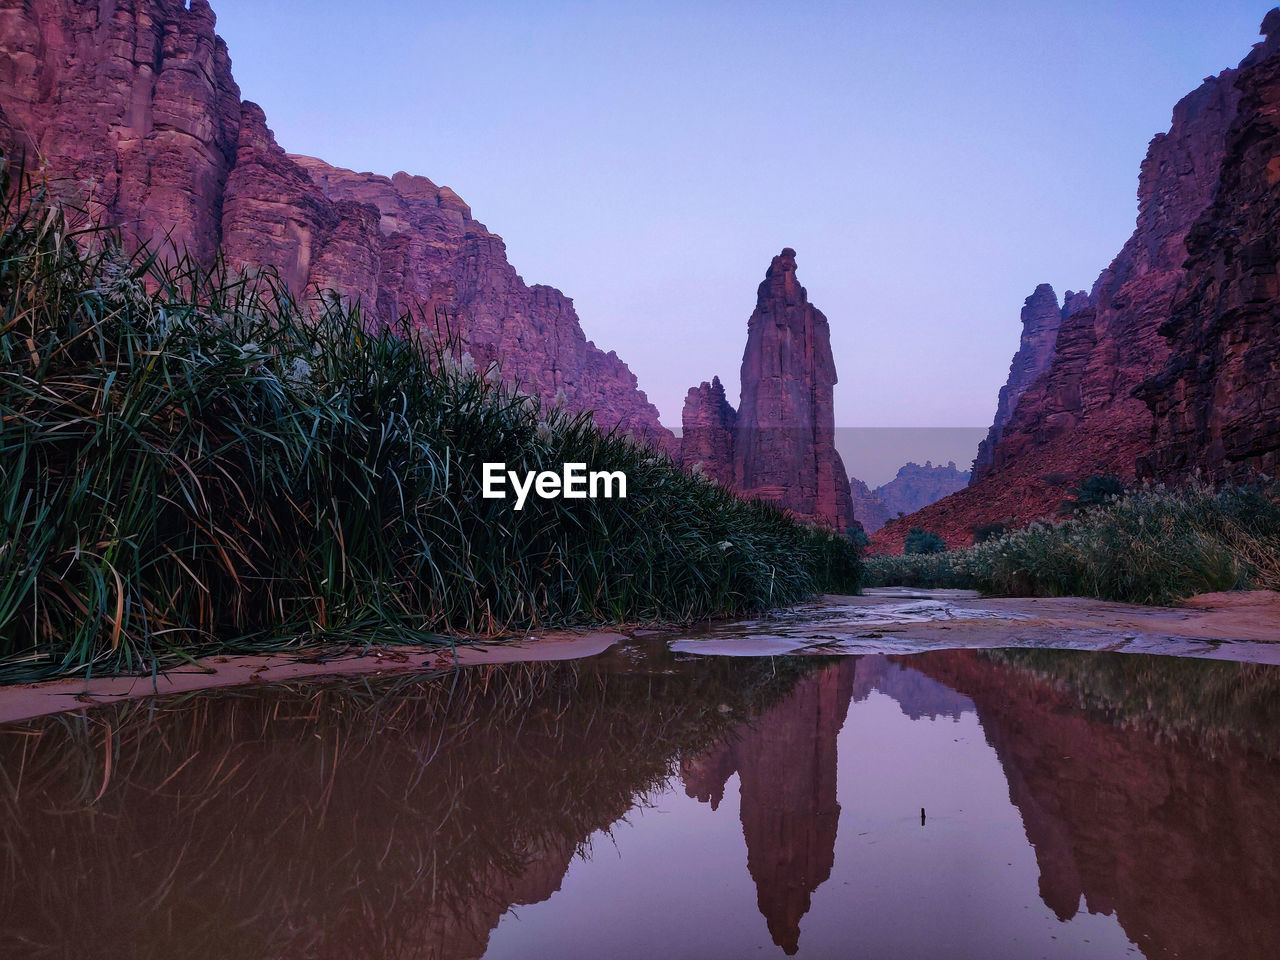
{"x": 784, "y": 449}
{"x": 868, "y": 509}
{"x": 1041, "y": 317}
{"x": 708, "y": 423}
{"x": 784, "y": 429}
{"x": 1216, "y": 400}
{"x": 132, "y": 105}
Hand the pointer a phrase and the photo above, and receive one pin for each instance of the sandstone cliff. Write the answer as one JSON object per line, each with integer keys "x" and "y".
{"x": 1216, "y": 400}
{"x": 783, "y": 433}
{"x": 1041, "y": 318}
{"x": 868, "y": 509}
{"x": 131, "y": 105}
{"x": 708, "y": 425}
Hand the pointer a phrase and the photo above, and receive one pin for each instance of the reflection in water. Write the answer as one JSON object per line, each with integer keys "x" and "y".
{"x": 786, "y": 763}
{"x": 407, "y": 818}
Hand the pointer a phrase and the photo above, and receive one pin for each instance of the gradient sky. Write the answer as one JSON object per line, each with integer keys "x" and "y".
{"x": 930, "y": 162}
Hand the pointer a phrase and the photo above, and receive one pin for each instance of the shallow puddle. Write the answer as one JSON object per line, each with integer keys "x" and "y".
{"x": 647, "y": 803}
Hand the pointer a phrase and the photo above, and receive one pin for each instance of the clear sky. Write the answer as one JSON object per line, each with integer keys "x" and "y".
{"x": 930, "y": 162}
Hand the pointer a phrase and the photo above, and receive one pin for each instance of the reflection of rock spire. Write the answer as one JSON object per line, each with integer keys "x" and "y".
{"x": 786, "y": 762}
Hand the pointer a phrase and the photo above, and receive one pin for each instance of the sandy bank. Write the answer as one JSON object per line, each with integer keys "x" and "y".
{"x": 54, "y": 696}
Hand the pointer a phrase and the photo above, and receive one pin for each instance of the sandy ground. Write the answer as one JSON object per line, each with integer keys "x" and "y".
{"x": 1242, "y": 626}
{"x": 55, "y": 696}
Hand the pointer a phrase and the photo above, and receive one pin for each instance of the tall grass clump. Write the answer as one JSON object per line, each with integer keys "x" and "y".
{"x": 191, "y": 460}
{"x": 1153, "y": 545}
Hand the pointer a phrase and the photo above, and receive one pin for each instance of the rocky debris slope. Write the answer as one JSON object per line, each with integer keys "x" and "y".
{"x": 132, "y": 106}
{"x": 783, "y": 433}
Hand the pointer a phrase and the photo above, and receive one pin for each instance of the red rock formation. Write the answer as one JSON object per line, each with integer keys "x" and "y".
{"x": 708, "y": 422}
{"x": 1080, "y": 417}
{"x": 786, "y": 765}
{"x": 784, "y": 438}
{"x": 1041, "y": 317}
{"x": 132, "y": 104}
{"x": 868, "y": 509}
{"x": 785, "y": 444}
{"x": 1216, "y": 402}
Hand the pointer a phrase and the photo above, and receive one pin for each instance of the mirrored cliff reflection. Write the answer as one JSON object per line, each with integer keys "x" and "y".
{"x": 645, "y": 804}
{"x": 786, "y": 762}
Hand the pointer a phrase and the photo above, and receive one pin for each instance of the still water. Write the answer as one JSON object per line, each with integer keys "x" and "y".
{"x": 961, "y": 804}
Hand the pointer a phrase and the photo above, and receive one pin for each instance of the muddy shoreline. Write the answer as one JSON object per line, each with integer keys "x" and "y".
{"x": 1243, "y": 627}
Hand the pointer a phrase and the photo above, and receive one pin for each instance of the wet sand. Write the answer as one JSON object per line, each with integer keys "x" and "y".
{"x": 1239, "y": 626}
{"x": 54, "y": 696}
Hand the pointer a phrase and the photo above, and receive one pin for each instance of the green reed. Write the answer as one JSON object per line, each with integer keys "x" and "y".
{"x": 192, "y": 460}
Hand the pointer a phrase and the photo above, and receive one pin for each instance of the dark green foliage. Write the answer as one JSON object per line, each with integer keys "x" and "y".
{"x": 923, "y": 541}
{"x": 1093, "y": 491}
{"x": 191, "y": 461}
{"x": 1152, "y": 545}
{"x": 983, "y": 532}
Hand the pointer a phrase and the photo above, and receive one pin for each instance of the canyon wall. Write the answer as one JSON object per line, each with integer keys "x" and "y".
{"x": 1216, "y": 400}
{"x": 1041, "y": 318}
{"x": 868, "y": 509}
{"x": 1091, "y": 409}
{"x": 783, "y": 432}
{"x": 131, "y": 108}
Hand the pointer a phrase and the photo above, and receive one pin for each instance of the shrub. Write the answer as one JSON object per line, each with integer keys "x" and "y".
{"x": 982, "y": 532}
{"x": 1093, "y": 492}
{"x": 923, "y": 541}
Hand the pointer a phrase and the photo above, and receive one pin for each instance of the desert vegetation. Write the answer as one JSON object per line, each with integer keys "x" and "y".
{"x": 191, "y": 460}
{"x": 1152, "y": 545}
